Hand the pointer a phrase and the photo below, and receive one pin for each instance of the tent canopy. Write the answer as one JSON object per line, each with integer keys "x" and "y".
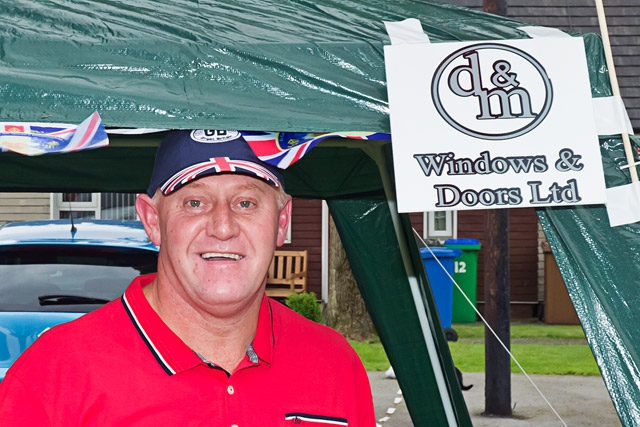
{"x": 286, "y": 65}
{"x": 283, "y": 65}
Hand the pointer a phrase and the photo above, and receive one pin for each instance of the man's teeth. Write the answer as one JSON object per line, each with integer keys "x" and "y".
{"x": 210, "y": 255}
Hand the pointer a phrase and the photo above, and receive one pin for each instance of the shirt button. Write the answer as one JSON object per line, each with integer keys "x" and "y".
{"x": 234, "y": 425}
{"x": 230, "y": 390}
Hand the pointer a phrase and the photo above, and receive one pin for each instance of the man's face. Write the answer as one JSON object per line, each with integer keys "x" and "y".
{"x": 217, "y": 237}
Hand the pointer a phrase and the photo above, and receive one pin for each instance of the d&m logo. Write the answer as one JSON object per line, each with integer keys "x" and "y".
{"x": 492, "y": 91}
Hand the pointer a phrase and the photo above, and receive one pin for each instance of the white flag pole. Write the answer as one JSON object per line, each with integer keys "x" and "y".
{"x": 614, "y": 86}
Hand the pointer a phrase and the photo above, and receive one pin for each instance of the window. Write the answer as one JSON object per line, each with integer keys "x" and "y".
{"x": 94, "y": 205}
{"x": 440, "y": 225}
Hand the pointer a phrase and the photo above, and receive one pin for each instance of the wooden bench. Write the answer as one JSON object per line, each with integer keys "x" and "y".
{"x": 287, "y": 273}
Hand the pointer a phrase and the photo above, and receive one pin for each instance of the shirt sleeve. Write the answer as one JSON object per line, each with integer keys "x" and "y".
{"x": 19, "y": 406}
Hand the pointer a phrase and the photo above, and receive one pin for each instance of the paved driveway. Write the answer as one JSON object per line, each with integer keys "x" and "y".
{"x": 580, "y": 401}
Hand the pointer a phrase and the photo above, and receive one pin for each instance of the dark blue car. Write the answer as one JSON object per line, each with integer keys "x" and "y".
{"x": 55, "y": 271}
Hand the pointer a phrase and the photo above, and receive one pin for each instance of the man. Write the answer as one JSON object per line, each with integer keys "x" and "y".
{"x": 198, "y": 344}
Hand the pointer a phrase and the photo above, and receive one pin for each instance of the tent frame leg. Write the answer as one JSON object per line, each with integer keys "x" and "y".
{"x": 377, "y": 154}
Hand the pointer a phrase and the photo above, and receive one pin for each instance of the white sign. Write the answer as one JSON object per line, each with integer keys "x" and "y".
{"x": 493, "y": 124}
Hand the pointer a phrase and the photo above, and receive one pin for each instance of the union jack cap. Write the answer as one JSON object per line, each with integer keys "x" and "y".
{"x": 186, "y": 155}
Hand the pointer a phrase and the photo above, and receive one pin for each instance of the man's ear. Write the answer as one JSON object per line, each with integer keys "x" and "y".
{"x": 148, "y": 213}
{"x": 283, "y": 222}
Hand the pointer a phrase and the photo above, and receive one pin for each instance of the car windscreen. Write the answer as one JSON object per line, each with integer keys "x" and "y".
{"x": 73, "y": 278}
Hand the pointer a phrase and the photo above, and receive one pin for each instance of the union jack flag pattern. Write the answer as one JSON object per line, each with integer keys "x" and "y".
{"x": 34, "y": 139}
{"x": 282, "y": 149}
{"x": 220, "y": 164}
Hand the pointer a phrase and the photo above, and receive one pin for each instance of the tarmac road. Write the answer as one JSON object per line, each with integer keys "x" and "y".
{"x": 579, "y": 400}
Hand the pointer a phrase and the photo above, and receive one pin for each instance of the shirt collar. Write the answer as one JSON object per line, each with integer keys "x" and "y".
{"x": 264, "y": 340}
{"x": 168, "y": 349}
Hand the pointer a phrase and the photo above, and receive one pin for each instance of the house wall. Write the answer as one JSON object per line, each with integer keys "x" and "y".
{"x": 306, "y": 233}
{"x": 24, "y": 206}
{"x": 417, "y": 221}
{"x": 523, "y": 257}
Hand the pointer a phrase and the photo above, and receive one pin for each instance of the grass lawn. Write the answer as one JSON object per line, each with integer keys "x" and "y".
{"x": 539, "y": 348}
{"x": 372, "y": 355}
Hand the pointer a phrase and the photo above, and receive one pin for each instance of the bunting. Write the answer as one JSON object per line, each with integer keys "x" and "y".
{"x": 282, "y": 149}
{"x": 33, "y": 139}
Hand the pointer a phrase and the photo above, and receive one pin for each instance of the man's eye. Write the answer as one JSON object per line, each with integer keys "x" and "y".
{"x": 245, "y": 204}
{"x": 194, "y": 203}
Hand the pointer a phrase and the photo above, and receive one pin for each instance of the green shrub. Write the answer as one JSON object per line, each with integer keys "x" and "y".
{"x": 305, "y": 304}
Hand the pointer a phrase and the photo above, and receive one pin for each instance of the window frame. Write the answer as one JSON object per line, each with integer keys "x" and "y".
{"x": 58, "y": 205}
{"x": 451, "y": 227}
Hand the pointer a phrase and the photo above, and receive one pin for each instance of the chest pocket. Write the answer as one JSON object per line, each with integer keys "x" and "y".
{"x": 301, "y": 420}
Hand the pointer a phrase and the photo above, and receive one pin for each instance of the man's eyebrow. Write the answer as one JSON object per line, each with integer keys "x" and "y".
{"x": 253, "y": 186}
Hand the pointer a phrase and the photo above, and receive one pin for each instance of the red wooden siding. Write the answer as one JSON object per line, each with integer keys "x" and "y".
{"x": 306, "y": 233}
{"x": 523, "y": 256}
{"x": 417, "y": 220}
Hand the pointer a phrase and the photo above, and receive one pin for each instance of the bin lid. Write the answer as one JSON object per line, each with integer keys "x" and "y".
{"x": 440, "y": 252}
{"x": 464, "y": 243}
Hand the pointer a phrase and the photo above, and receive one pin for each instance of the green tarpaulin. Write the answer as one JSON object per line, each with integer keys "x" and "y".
{"x": 298, "y": 66}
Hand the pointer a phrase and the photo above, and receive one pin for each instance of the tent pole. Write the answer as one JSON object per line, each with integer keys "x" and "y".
{"x": 377, "y": 155}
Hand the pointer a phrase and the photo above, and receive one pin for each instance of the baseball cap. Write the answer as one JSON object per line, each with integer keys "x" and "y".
{"x": 186, "y": 155}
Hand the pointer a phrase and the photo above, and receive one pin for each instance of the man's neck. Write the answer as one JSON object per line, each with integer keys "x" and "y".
{"x": 220, "y": 339}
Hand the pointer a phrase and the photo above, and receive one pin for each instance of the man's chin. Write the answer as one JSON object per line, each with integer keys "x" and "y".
{"x": 231, "y": 298}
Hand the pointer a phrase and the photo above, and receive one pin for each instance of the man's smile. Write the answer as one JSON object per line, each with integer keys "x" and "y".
{"x": 217, "y": 255}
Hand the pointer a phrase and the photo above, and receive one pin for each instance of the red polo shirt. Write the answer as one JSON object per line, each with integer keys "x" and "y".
{"x": 122, "y": 366}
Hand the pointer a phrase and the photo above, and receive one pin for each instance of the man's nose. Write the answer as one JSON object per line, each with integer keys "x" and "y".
{"x": 222, "y": 224}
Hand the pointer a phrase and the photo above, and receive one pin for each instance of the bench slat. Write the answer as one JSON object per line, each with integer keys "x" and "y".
{"x": 287, "y": 273}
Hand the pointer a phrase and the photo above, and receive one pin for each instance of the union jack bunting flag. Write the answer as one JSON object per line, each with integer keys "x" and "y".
{"x": 282, "y": 149}
{"x": 34, "y": 139}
